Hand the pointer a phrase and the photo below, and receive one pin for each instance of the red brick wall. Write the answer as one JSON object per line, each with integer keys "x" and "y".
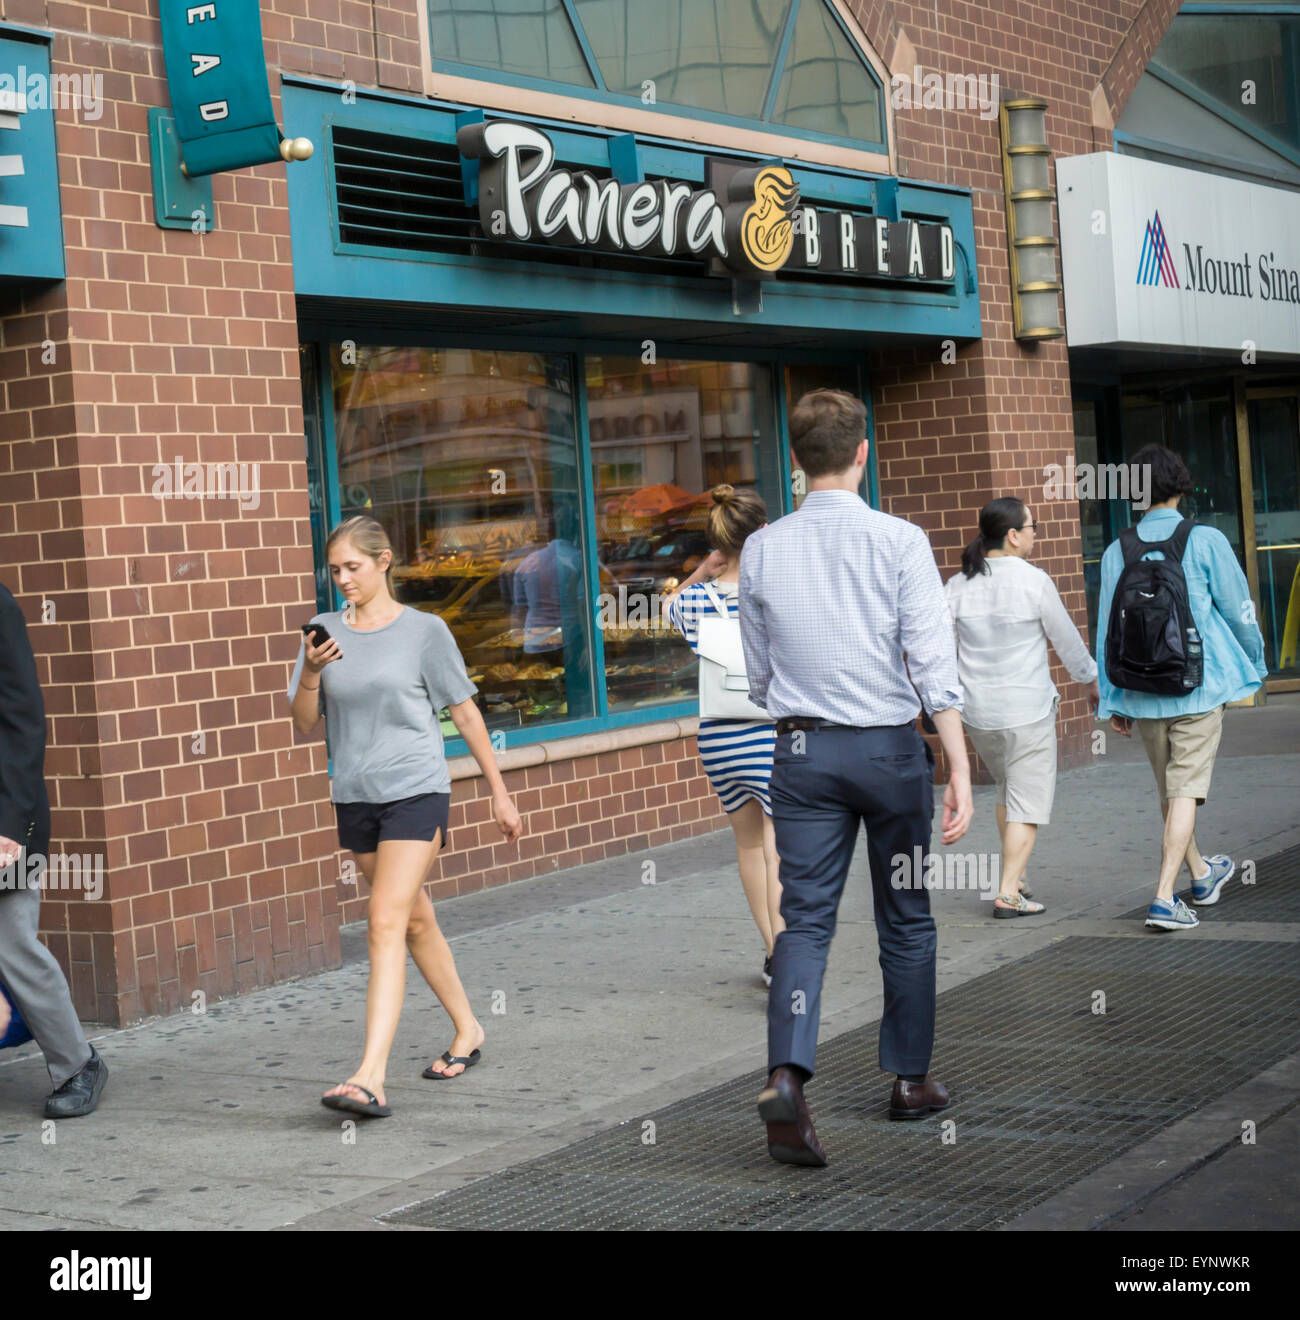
{"x": 951, "y": 437}
{"x": 576, "y": 811}
{"x": 175, "y": 617}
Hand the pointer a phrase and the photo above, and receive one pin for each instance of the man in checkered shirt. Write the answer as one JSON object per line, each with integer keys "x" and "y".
{"x": 832, "y": 597}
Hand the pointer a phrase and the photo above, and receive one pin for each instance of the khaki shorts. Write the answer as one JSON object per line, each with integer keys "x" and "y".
{"x": 1023, "y": 762}
{"x": 1182, "y": 751}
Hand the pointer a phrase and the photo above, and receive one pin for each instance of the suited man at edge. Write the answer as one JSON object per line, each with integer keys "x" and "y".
{"x": 28, "y": 969}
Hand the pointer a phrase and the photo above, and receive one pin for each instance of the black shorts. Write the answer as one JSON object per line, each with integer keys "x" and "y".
{"x": 363, "y": 825}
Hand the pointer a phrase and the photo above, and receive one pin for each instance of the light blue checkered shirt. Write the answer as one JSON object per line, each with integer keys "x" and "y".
{"x": 831, "y": 597}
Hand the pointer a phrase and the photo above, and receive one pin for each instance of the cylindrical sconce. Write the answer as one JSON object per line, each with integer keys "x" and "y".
{"x": 1031, "y": 242}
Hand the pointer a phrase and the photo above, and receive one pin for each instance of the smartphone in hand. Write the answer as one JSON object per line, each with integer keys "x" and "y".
{"x": 317, "y": 634}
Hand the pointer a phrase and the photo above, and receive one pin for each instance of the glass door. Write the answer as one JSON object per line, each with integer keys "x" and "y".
{"x": 1274, "y": 421}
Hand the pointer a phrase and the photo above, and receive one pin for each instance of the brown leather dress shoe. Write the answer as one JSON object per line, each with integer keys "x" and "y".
{"x": 791, "y": 1138}
{"x": 916, "y": 1099}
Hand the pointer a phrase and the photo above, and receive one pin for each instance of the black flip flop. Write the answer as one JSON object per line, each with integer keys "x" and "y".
{"x": 345, "y": 1102}
{"x": 449, "y": 1058}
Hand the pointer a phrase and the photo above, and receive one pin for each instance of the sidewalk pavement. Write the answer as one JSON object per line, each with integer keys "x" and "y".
{"x": 604, "y": 997}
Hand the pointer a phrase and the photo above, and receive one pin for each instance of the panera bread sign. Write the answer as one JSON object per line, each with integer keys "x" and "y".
{"x": 748, "y": 222}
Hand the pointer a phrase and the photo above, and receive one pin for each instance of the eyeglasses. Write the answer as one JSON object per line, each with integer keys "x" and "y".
{"x": 1030, "y": 526}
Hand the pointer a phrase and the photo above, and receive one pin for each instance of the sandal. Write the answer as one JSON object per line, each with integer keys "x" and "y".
{"x": 345, "y": 1102}
{"x": 1017, "y": 905}
{"x": 449, "y": 1058}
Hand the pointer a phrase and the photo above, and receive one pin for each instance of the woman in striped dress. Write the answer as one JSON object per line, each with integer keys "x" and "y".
{"x": 736, "y": 754}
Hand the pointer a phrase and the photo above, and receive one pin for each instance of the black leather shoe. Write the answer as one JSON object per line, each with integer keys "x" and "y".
{"x": 791, "y": 1138}
{"x": 916, "y": 1099}
{"x": 79, "y": 1095}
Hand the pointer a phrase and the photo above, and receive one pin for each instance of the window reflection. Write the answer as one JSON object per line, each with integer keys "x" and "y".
{"x": 468, "y": 459}
{"x": 662, "y": 437}
{"x": 1222, "y": 53}
{"x": 533, "y": 38}
{"x": 718, "y": 56}
{"x": 712, "y": 54}
{"x": 825, "y": 86}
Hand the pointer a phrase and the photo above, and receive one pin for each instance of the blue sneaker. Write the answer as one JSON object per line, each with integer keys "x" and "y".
{"x": 1205, "y": 891}
{"x": 1171, "y": 915}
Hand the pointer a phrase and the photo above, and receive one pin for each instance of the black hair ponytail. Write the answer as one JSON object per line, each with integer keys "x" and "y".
{"x": 997, "y": 518}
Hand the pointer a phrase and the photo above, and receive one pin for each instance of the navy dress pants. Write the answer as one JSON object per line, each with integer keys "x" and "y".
{"x": 826, "y": 784}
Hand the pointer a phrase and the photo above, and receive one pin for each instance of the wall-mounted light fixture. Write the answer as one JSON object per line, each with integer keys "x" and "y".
{"x": 1026, "y": 181}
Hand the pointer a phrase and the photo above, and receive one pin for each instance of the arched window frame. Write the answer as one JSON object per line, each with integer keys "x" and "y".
{"x": 544, "y": 98}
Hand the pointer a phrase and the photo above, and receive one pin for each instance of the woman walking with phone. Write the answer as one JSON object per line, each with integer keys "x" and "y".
{"x": 379, "y": 672}
{"x": 1005, "y": 612}
{"x": 735, "y": 738}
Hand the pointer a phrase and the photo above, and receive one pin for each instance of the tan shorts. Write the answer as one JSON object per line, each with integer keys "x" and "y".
{"x": 1023, "y": 762}
{"x": 1182, "y": 751}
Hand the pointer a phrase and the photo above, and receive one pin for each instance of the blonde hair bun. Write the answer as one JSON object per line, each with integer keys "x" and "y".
{"x": 723, "y": 494}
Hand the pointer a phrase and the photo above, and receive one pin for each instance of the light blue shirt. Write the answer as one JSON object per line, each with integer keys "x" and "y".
{"x": 1219, "y": 596}
{"x": 832, "y": 597}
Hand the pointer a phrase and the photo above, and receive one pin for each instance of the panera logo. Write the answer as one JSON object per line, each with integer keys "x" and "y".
{"x": 748, "y": 221}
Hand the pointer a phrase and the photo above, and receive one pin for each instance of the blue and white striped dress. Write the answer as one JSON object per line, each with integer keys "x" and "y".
{"x": 736, "y": 754}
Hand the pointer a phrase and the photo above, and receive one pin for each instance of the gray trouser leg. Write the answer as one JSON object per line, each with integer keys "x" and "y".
{"x": 36, "y": 982}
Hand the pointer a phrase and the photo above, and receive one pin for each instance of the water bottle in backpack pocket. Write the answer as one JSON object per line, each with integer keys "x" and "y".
{"x": 1152, "y": 642}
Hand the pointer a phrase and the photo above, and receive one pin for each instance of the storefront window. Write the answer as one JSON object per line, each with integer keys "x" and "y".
{"x": 469, "y": 460}
{"x": 1245, "y": 62}
{"x": 1092, "y": 512}
{"x": 801, "y": 379}
{"x": 826, "y": 86}
{"x": 662, "y": 436}
{"x": 529, "y": 37}
{"x": 1275, "y": 470}
{"x": 317, "y": 511}
{"x": 715, "y": 56}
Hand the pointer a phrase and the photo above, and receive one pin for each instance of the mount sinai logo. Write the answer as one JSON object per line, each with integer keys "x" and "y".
{"x": 1266, "y": 278}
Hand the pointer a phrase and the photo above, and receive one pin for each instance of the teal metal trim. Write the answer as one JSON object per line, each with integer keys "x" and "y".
{"x": 624, "y": 159}
{"x": 1194, "y": 159}
{"x": 31, "y": 250}
{"x": 886, "y": 199}
{"x": 469, "y": 165}
{"x": 588, "y": 53}
{"x": 587, "y": 498}
{"x": 782, "y": 54}
{"x": 333, "y": 504}
{"x": 872, "y": 474}
{"x": 783, "y": 441}
{"x": 176, "y": 196}
{"x": 360, "y": 270}
{"x": 329, "y": 331}
{"x": 20, "y": 32}
{"x": 575, "y": 728}
{"x": 1224, "y": 112}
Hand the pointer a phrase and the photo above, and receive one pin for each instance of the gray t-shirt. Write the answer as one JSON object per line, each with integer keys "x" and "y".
{"x": 381, "y": 700}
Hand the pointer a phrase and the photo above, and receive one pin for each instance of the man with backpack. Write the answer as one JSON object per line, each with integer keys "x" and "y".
{"x": 1177, "y": 641}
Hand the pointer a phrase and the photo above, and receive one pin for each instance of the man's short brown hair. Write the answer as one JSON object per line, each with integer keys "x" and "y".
{"x": 826, "y": 428}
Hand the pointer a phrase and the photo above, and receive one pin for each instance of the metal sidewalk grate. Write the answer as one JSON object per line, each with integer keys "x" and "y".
{"x": 1044, "y": 1090}
{"x": 1275, "y": 895}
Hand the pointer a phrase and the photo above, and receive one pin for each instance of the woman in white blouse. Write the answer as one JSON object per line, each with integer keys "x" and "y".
{"x": 1005, "y": 612}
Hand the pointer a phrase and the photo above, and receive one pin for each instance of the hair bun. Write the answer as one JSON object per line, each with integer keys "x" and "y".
{"x": 723, "y": 494}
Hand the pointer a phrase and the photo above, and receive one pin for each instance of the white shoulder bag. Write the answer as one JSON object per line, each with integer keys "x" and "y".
{"x": 724, "y": 687}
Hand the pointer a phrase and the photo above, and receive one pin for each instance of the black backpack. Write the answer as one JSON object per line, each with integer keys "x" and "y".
{"x": 1152, "y": 643}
